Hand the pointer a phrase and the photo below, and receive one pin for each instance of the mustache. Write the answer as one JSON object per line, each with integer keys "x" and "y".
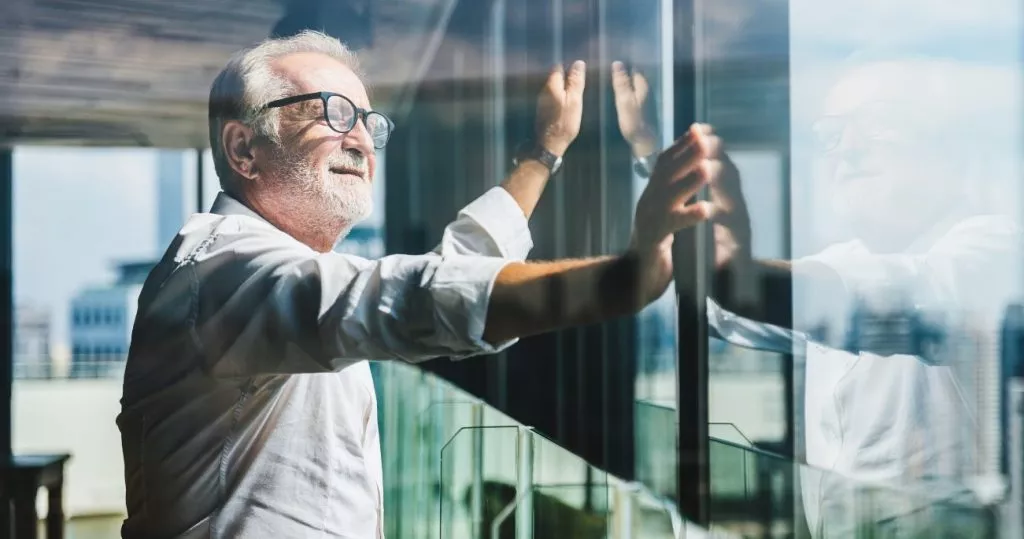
{"x": 349, "y": 160}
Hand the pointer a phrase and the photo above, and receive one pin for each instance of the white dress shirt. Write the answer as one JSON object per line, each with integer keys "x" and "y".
{"x": 248, "y": 407}
{"x": 907, "y": 422}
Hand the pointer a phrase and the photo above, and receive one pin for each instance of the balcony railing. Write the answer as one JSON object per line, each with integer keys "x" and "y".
{"x": 456, "y": 468}
{"x": 453, "y": 466}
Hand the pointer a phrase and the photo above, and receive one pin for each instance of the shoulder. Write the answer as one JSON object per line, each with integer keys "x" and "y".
{"x": 997, "y": 233}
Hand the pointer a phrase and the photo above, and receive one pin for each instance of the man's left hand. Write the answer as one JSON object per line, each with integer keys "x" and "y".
{"x": 560, "y": 108}
{"x": 630, "y": 95}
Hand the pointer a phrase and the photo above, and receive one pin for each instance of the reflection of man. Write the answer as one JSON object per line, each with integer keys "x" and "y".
{"x": 248, "y": 408}
{"x": 891, "y": 324}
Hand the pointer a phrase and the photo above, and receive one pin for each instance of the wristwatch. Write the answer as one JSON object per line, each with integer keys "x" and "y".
{"x": 644, "y": 166}
{"x": 531, "y": 150}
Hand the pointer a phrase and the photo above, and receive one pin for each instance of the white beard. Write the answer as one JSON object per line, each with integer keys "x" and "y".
{"x": 348, "y": 200}
{"x": 320, "y": 199}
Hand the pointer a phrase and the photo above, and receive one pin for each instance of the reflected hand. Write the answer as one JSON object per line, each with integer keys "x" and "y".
{"x": 732, "y": 220}
{"x": 560, "y": 108}
{"x": 630, "y": 95}
{"x": 665, "y": 206}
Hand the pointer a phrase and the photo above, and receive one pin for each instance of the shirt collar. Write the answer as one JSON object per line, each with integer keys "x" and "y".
{"x": 225, "y": 204}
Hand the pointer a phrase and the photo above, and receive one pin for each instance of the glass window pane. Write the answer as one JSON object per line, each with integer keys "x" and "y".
{"x": 885, "y": 214}
{"x": 88, "y": 223}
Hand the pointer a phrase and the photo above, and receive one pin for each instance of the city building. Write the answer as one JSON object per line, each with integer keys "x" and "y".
{"x": 32, "y": 342}
{"x": 102, "y": 316}
{"x": 101, "y": 323}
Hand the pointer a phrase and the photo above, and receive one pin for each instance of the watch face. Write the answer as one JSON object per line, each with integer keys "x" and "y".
{"x": 538, "y": 153}
{"x": 556, "y": 165}
{"x": 640, "y": 167}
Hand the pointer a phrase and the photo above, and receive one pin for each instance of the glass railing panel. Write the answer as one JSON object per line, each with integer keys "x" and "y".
{"x": 455, "y": 467}
{"x": 636, "y": 512}
{"x": 742, "y": 501}
{"x": 482, "y": 475}
{"x": 571, "y": 511}
{"x": 836, "y": 506}
{"x": 570, "y": 497}
{"x": 402, "y": 393}
{"x": 656, "y": 458}
{"x": 418, "y": 414}
{"x": 755, "y": 493}
{"x": 758, "y": 493}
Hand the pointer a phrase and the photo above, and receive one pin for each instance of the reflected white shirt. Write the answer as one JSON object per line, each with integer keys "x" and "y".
{"x": 248, "y": 407}
{"x": 898, "y": 420}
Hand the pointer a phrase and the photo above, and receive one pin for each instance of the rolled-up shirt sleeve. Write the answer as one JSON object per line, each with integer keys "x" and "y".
{"x": 408, "y": 307}
{"x": 491, "y": 225}
{"x": 267, "y": 305}
{"x": 739, "y": 331}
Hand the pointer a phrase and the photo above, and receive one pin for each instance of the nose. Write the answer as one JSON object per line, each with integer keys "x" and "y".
{"x": 359, "y": 139}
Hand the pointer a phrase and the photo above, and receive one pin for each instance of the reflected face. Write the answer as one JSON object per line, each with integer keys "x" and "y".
{"x": 323, "y": 176}
{"x": 882, "y": 163}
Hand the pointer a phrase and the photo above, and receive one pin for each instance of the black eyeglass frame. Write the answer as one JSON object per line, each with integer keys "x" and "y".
{"x": 324, "y": 97}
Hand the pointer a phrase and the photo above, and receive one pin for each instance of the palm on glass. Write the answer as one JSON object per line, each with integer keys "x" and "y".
{"x": 732, "y": 220}
{"x": 630, "y": 95}
{"x": 667, "y": 206}
{"x": 560, "y": 107}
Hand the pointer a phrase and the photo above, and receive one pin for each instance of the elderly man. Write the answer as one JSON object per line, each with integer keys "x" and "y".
{"x": 248, "y": 406}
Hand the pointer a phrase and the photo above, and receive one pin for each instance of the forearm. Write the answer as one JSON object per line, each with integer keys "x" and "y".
{"x": 773, "y": 301}
{"x": 526, "y": 183}
{"x": 531, "y": 298}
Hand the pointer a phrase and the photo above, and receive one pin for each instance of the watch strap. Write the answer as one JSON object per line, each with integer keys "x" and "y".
{"x": 538, "y": 153}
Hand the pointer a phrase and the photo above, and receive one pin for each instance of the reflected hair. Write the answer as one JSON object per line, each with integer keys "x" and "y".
{"x": 248, "y": 82}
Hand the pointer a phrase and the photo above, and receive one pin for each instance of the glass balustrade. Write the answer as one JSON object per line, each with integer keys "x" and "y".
{"x": 755, "y": 493}
{"x": 456, "y": 468}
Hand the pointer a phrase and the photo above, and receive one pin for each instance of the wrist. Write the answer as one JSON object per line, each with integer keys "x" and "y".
{"x": 554, "y": 146}
{"x": 651, "y": 275}
{"x": 643, "y": 143}
{"x": 539, "y": 153}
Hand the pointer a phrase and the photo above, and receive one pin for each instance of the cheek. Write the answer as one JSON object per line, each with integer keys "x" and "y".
{"x": 320, "y": 157}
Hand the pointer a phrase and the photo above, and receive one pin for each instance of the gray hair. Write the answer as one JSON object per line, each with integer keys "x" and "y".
{"x": 248, "y": 82}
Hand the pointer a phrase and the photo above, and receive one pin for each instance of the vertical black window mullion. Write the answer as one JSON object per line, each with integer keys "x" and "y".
{"x": 691, "y": 280}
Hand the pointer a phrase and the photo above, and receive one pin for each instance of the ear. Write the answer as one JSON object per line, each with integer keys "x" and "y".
{"x": 238, "y": 140}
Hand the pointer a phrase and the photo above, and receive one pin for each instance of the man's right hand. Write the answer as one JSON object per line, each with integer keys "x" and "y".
{"x": 665, "y": 206}
{"x": 534, "y": 297}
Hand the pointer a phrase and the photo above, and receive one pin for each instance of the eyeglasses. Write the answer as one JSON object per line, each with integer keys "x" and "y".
{"x": 341, "y": 115}
{"x": 878, "y": 123}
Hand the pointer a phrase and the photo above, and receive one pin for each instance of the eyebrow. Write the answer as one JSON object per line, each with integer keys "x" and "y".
{"x": 303, "y": 110}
